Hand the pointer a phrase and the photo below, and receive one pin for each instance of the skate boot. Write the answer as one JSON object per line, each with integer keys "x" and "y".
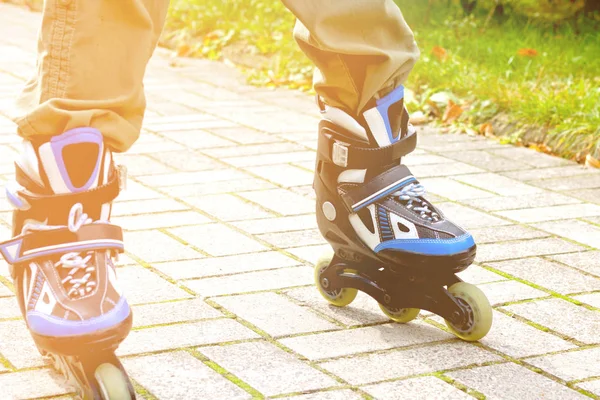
{"x": 61, "y": 259}
{"x": 388, "y": 240}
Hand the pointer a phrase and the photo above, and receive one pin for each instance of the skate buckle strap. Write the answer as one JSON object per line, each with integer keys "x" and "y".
{"x": 355, "y": 157}
{"x": 96, "y": 236}
{"x": 381, "y": 186}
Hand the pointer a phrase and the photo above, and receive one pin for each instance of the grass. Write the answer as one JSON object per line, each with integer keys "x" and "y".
{"x": 552, "y": 87}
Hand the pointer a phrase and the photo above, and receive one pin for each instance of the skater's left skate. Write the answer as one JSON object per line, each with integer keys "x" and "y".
{"x": 61, "y": 259}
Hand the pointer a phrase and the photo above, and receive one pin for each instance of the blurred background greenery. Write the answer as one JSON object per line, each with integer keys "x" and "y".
{"x": 525, "y": 70}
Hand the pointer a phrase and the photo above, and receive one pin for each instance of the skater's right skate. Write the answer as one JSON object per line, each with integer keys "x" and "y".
{"x": 61, "y": 259}
{"x": 388, "y": 240}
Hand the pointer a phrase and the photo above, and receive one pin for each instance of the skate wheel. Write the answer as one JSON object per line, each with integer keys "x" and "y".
{"x": 480, "y": 319}
{"x": 112, "y": 382}
{"x": 339, "y": 298}
{"x": 400, "y": 315}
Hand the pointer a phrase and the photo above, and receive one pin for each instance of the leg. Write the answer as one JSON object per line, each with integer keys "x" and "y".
{"x": 388, "y": 239}
{"x": 85, "y": 102}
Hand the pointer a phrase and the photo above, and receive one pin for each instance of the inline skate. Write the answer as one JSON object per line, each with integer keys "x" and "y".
{"x": 388, "y": 240}
{"x": 61, "y": 259}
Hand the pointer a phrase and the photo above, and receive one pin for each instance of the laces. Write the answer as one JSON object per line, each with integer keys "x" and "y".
{"x": 78, "y": 280}
{"x": 412, "y": 196}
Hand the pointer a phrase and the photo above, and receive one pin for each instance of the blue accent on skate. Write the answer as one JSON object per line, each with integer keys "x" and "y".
{"x": 14, "y": 199}
{"x": 11, "y": 249}
{"x": 384, "y": 224}
{"x": 386, "y": 193}
{"x": 48, "y": 325}
{"x": 383, "y": 106}
{"x": 429, "y": 247}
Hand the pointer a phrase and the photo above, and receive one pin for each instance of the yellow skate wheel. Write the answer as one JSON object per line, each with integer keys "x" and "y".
{"x": 400, "y": 315}
{"x": 480, "y": 319}
{"x": 340, "y": 297}
{"x": 113, "y": 384}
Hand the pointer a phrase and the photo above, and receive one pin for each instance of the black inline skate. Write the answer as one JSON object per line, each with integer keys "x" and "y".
{"x": 388, "y": 241}
{"x": 61, "y": 259}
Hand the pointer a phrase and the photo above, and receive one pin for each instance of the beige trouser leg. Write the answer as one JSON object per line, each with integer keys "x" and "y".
{"x": 359, "y": 47}
{"x": 92, "y": 55}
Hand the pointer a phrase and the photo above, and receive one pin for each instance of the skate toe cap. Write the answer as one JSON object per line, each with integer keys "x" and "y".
{"x": 430, "y": 247}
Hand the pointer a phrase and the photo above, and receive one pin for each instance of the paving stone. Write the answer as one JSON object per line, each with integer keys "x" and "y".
{"x": 361, "y": 340}
{"x": 178, "y": 375}
{"x": 541, "y": 214}
{"x": 401, "y": 363}
{"x": 19, "y": 385}
{"x": 485, "y": 160}
{"x": 275, "y": 314}
{"x": 140, "y": 285}
{"x": 281, "y": 201}
{"x": 509, "y": 291}
{"x": 424, "y": 158}
{"x": 160, "y": 220}
{"x": 17, "y": 346}
{"x": 139, "y": 207}
{"x": 252, "y": 281}
{"x": 574, "y": 365}
{"x": 498, "y": 203}
{"x": 561, "y": 316}
{"x": 283, "y": 174}
{"x": 217, "y": 240}
{"x": 591, "y": 386}
{"x": 573, "y": 183}
{"x": 363, "y": 310}
{"x": 345, "y": 394}
{"x": 234, "y": 186}
{"x": 551, "y": 275}
{"x": 227, "y": 207}
{"x": 184, "y": 335}
{"x": 251, "y": 150}
{"x": 585, "y": 261}
{"x": 426, "y": 387}
{"x": 452, "y": 189}
{"x": 154, "y": 147}
{"x": 530, "y": 157}
{"x": 286, "y": 240}
{"x": 141, "y": 164}
{"x": 531, "y": 341}
{"x": 5, "y": 291}
{"x": 578, "y": 231}
{"x": 498, "y": 184}
{"x": 281, "y": 224}
{"x": 199, "y": 138}
{"x": 526, "y": 248}
{"x": 449, "y": 168}
{"x": 136, "y": 191}
{"x": 183, "y": 178}
{"x": 478, "y": 275}
{"x": 593, "y": 299}
{"x": 225, "y": 265}
{"x": 187, "y": 161}
{"x": 9, "y": 308}
{"x": 527, "y": 174}
{"x": 271, "y": 159}
{"x": 243, "y": 135}
{"x": 469, "y": 218}
{"x": 511, "y": 381}
{"x": 588, "y": 195}
{"x": 291, "y": 375}
{"x": 494, "y": 234}
{"x": 172, "y": 312}
{"x": 310, "y": 253}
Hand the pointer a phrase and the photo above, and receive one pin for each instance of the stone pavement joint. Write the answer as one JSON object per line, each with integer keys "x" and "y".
{"x": 221, "y": 239}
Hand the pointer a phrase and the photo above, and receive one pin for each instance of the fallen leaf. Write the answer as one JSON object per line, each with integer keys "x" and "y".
{"x": 527, "y": 52}
{"x": 182, "y": 50}
{"x": 453, "y": 111}
{"x": 440, "y": 53}
{"x": 591, "y": 161}
{"x": 418, "y": 118}
{"x": 486, "y": 129}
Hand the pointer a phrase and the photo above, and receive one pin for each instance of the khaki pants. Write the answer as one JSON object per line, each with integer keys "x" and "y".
{"x": 92, "y": 55}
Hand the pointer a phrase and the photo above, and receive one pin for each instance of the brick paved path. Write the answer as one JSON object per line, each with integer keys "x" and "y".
{"x": 221, "y": 239}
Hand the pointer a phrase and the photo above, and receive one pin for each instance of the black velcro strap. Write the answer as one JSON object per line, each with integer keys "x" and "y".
{"x": 380, "y": 186}
{"x": 354, "y": 157}
{"x": 96, "y": 236}
{"x": 99, "y": 195}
